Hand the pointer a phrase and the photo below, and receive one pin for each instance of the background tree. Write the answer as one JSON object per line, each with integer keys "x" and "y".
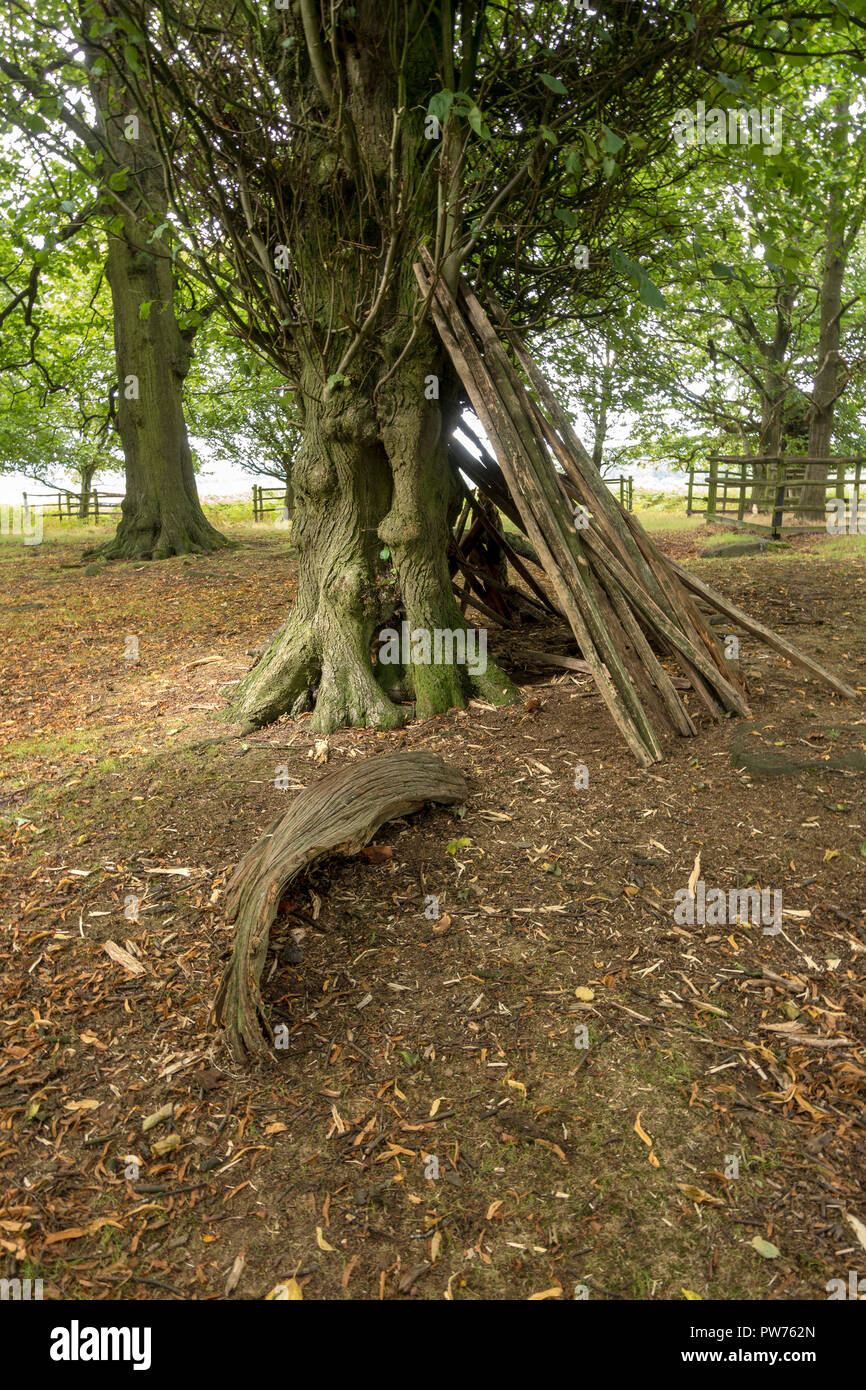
{"x": 45, "y": 97}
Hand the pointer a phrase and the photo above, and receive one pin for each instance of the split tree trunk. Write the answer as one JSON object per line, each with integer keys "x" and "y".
{"x": 372, "y": 490}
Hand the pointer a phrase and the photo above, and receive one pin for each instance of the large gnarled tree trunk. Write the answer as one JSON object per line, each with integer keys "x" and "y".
{"x": 371, "y": 480}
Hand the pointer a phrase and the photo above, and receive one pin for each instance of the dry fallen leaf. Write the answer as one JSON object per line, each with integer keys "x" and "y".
{"x": 288, "y": 1292}
{"x": 640, "y": 1131}
{"x": 584, "y": 994}
{"x": 377, "y": 854}
{"x": 122, "y": 957}
{"x": 235, "y": 1273}
{"x": 545, "y": 1293}
{"x": 694, "y": 875}
{"x": 857, "y": 1227}
{"x": 165, "y": 1146}
{"x": 697, "y": 1194}
{"x": 165, "y": 1112}
{"x": 321, "y": 1242}
{"x": 435, "y": 1245}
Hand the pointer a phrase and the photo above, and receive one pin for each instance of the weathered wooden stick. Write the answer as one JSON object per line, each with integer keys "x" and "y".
{"x": 766, "y": 634}
{"x": 340, "y": 814}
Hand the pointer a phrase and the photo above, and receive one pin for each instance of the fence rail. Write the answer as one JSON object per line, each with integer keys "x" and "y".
{"x": 275, "y": 499}
{"x": 737, "y": 489}
{"x": 268, "y": 499}
{"x": 69, "y": 504}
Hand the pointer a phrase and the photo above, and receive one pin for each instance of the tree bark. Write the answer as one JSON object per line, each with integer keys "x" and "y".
{"x": 370, "y": 524}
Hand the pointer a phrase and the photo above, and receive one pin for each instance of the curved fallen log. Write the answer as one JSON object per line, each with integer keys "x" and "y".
{"x": 340, "y": 814}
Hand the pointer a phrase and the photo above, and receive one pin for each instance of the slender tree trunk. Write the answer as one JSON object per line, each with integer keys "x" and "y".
{"x": 773, "y": 399}
{"x": 825, "y": 387}
{"x": 86, "y": 478}
{"x": 161, "y": 514}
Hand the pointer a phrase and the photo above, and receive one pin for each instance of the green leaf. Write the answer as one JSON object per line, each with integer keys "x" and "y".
{"x": 67, "y": 206}
{"x": 648, "y": 292}
{"x": 730, "y": 84}
{"x": 131, "y": 58}
{"x": 144, "y": 310}
{"x": 440, "y": 105}
{"x": 554, "y": 84}
{"x": 591, "y": 146}
{"x": 609, "y": 166}
{"x": 384, "y": 553}
{"x": 765, "y": 1248}
{"x": 651, "y": 295}
{"x": 548, "y": 134}
{"x": 336, "y": 379}
{"x": 116, "y": 225}
{"x": 611, "y": 142}
{"x": 118, "y": 182}
{"x": 476, "y": 120}
{"x": 453, "y": 845}
{"x": 566, "y": 216}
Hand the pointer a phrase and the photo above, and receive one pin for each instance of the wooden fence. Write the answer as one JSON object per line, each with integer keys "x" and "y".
{"x": 273, "y": 499}
{"x": 101, "y": 506}
{"x": 736, "y": 490}
{"x": 268, "y": 499}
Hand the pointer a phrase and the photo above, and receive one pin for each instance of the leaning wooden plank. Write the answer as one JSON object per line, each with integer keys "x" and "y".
{"x": 340, "y": 814}
{"x": 635, "y": 549}
{"x": 535, "y": 482}
{"x": 766, "y": 634}
{"x": 497, "y": 425}
{"x": 641, "y": 600}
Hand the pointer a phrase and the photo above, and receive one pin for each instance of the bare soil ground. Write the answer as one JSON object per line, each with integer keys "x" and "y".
{"x": 436, "y": 1127}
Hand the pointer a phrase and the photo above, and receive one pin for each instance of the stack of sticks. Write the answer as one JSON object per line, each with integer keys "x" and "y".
{"x": 629, "y": 607}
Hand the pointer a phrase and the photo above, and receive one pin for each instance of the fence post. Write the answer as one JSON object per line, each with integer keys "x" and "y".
{"x": 779, "y": 505}
{"x": 741, "y": 505}
{"x": 631, "y": 494}
{"x": 691, "y": 489}
{"x": 96, "y": 507}
{"x": 711, "y": 488}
